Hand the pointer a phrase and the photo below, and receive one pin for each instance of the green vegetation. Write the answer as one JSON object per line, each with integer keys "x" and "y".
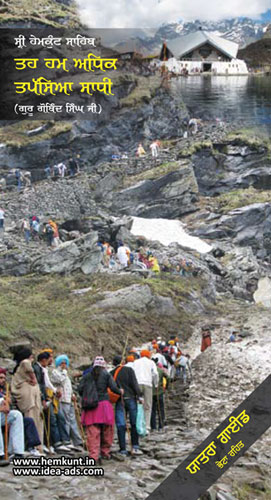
{"x": 145, "y": 89}
{"x": 246, "y": 492}
{"x": 47, "y": 12}
{"x": 240, "y": 198}
{"x": 194, "y": 147}
{"x": 250, "y": 137}
{"x": 155, "y": 172}
{"x": 16, "y": 134}
{"x": 44, "y": 311}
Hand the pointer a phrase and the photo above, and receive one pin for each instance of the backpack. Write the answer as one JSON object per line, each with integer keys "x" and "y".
{"x": 49, "y": 229}
{"x": 113, "y": 397}
{"x": 88, "y": 391}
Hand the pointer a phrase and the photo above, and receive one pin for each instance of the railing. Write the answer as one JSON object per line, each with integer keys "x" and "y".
{"x": 204, "y": 60}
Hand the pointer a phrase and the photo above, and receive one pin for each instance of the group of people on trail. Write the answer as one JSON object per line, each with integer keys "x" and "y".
{"x": 143, "y": 259}
{"x": 62, "y": 170}
{"x": 154, "y": 147}
{"x": 40, "y": 410}
{"x": 206, "y": 340}
{"x": 40, "y": 414}
{"x": 136, "y": 386}
{"x": 124, "y": 257}
{"x": 32, "y": 229}
{"x": 38, "y": 407}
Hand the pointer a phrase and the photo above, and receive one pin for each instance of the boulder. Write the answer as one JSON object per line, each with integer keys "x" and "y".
{"x": 169, "y": 196}
{"x": 165, "y": 305}
{"x": 135, "y": 298}
{"x": 15, "y": 263}
{"x": 81, "y": 253}
{"x": 247, "y": 226}
{"x": 240, "y": 168}
{"x": 7, "y": 363}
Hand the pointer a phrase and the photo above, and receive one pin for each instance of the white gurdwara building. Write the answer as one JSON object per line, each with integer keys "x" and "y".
{"x": 202, "y": 52}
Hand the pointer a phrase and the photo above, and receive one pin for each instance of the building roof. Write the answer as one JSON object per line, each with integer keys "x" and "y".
{"x": 184, "y": 44}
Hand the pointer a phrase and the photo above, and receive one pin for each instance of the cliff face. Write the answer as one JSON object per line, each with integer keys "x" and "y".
{"x": 140, "y": 110}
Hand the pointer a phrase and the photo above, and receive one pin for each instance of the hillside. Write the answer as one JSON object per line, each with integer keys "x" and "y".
{"x": 42, "y": 14}
{"x": 257, "y": 54}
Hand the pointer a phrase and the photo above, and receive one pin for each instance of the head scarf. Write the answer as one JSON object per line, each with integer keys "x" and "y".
{"x": 61, "y": 358}
{"x": 130, "y": 359}
{"x": 3, "y": 370}
{"x": 99, "y": 361}
{"x": 47, "y": 349}
{"x": 145, "y": 354}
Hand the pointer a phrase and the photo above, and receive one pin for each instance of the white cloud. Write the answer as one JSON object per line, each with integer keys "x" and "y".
{"x": 152, "y": 13}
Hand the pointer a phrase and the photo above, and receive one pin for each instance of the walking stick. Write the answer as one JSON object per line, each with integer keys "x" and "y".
{"x": 6, "y": 423}
{"x": 47, "y": 426}
{"x": 124, "y": 349}
{"x": 159, "y": 410}
{"x": 122, "y": 399}
{"x": 79, "y": 423}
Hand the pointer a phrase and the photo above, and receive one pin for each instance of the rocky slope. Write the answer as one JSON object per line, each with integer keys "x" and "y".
{"x": 218, "y": 184}
{"x": 257, "y": 54}
{"x": 57, "y": 297}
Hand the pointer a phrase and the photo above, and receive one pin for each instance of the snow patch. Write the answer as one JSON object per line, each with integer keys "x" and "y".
{"x": 167, "y": 231}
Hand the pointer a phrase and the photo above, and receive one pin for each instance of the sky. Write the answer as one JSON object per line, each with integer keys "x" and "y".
{"x": 152, "y": 13}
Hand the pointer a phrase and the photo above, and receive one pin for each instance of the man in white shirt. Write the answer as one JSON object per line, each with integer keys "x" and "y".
{"x": 160, "y": 359}
{"x": 154, "y": 149}
{"x": 62, "y": 169}
{"x": 62, "y": 381}
{"x": 147, "y": 377}
{"x": 123, "y": 254}
{"x": 184, "y": 363}
{"x": 59, "y": 436}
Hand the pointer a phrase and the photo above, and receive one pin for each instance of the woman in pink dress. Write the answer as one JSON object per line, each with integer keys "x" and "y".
{"x": 99, "y": 421}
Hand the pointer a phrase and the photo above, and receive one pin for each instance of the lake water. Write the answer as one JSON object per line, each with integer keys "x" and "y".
{"x": 244, "y": 99}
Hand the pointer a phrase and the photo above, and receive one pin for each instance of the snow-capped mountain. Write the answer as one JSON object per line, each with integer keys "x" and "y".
{"x": 240, "y": 30}
{"x": 243, "y": 31}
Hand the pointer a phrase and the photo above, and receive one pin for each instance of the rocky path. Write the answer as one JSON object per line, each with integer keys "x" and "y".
{"x": 131, "y": 478}
{"x": 191, "y": 414}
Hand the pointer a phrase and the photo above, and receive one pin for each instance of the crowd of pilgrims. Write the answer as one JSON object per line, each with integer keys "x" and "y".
{"x": 39, "y": 407}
